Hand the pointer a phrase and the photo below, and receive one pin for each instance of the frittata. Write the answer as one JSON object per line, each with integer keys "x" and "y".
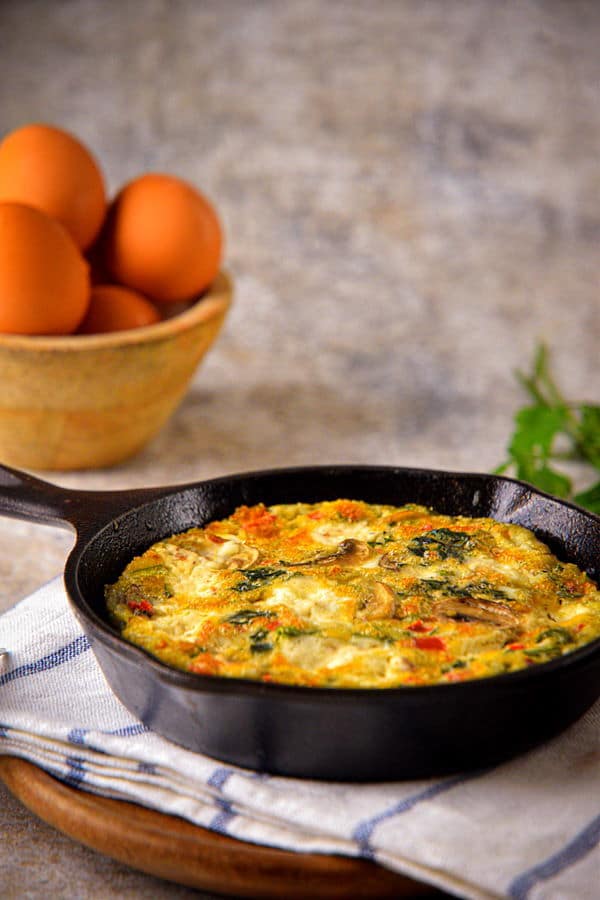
{"x": 348, "y": 594}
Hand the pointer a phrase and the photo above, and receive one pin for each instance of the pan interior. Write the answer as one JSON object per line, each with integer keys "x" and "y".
{"x": 571, "y": 534}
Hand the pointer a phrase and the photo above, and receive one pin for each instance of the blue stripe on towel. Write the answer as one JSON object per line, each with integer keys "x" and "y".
{"x": 222, "y": 819}
{"x": 51, "y": 661}
{"x": 77, "y": 736}
{"x": 3, "y": 731}
{"x": 219, "y": 777}
{"x": 582, "y": 844}
{"x": 147, "y": 768}
{"x": 129, "y": 730}
{"x": 76, "y": 770}
{"x": 363, "y": 831}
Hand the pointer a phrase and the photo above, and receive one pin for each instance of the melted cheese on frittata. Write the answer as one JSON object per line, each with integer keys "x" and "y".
{"x": 345, "y": 593}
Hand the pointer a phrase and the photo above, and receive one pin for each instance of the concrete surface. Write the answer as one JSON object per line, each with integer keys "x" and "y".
{"x": 410, "y": 196}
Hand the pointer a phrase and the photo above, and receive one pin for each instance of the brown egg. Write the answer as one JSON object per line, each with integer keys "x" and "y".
{"x": 44, "y": 280}
{"x": 163, "y": 238}
{"x": 51, "y": 170}
{"x": 115, "y": 308}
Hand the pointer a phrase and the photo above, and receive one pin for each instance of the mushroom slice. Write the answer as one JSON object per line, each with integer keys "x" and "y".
{"x": 391, "y": 560}
{"x": 381, "y": 604}
{"x": 476, "y": 610}
{"x": 348, "y": 552}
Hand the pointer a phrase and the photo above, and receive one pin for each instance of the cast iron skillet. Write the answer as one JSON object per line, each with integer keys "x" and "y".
{"x": 336, "y": 734}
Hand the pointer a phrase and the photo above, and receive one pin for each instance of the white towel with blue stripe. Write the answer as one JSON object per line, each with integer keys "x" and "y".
{"x": 529, "y": 828}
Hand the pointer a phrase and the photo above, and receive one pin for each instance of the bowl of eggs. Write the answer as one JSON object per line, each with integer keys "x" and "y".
{"x": 106, "y": 307}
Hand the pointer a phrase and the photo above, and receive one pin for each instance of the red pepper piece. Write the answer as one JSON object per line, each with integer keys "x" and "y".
{"x": 204, "y": 664}
{"x": 348, "y": 509}
{"x": 430, "y": 643}
{"x": 257, "y": 519}
{"x": 141, "y": 606}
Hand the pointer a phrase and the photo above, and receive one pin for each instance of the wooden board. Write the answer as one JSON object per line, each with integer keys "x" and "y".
{"x": 176, "y": 850}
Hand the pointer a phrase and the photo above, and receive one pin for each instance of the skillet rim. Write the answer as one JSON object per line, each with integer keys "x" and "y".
{"x": 197, "y": 683}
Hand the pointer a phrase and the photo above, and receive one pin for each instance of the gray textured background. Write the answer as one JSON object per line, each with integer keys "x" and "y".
{"x": 410, "y": 192}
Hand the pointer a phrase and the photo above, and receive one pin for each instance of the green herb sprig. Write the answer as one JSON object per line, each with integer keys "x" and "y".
{"x": 552, "y": 430}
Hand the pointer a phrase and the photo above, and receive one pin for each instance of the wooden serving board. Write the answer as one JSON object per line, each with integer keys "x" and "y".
{"x": 174, "y": 849}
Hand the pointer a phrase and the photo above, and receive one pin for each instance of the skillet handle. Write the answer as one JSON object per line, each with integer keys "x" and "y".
{"x": 22, "y": 496}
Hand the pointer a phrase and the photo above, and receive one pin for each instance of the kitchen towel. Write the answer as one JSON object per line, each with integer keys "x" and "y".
{"x": 529, "y": 828}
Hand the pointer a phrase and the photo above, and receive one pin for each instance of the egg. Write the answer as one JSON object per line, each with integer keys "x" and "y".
{"x": 163, "y": 238}
{"x": 115, "y": 308}
{"x": 44, "y": 280}
{"x": 50, "y": 169}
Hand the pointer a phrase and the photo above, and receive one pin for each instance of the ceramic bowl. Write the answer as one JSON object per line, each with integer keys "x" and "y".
{"x": 88, "y": 401}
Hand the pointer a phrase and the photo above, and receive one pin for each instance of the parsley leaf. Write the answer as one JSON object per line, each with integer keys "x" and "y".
{"x": 550, "y": 430}
{"x": 442, "y": 542}
{"x": 245, "y": 616}
{"x": 590, "y": 433}
{"x": 255, "y": 578}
